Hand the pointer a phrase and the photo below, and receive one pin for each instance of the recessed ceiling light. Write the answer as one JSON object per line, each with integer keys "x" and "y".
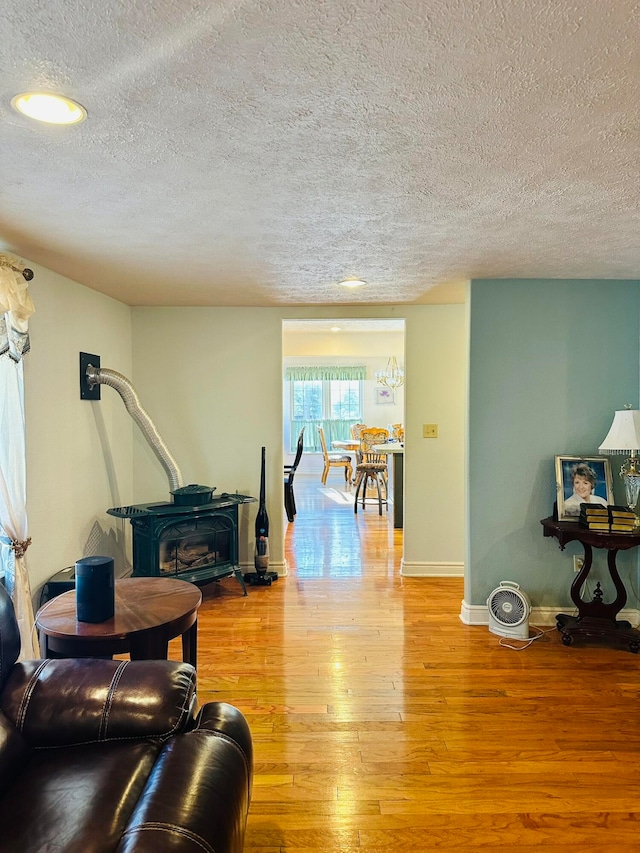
{"x": 54, "y": 109}
{"x": 352, "y": 282}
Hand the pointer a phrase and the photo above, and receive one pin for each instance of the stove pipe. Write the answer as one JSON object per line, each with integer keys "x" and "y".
{"x": 104, "y": 376}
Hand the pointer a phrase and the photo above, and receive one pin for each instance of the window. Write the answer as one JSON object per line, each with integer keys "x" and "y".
{"x": 330, "y": 397}
{"x": 333, "y": 399}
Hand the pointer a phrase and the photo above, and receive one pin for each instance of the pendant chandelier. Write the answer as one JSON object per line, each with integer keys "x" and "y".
{"x": 392, "y": 376}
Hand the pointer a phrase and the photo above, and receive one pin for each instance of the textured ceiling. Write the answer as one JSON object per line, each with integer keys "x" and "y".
{"x": 254, "y": 153}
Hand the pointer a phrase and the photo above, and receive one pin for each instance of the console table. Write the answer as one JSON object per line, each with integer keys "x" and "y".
{"x": 595, "y": 619}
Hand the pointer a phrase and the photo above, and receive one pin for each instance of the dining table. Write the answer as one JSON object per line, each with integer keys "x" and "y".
{"x": 349, "y": 446}
{"x": 396, "y": 448}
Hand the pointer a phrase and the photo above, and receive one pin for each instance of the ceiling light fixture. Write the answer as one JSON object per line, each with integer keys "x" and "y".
{"x": 352, "y": 282}
{"x": 334, "y": 329}
{"x": 53, "y": 109}
{"x": 392, "y": 377}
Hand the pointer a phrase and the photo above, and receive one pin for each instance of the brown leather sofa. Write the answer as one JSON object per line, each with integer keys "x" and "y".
{"x": 102, "y": 755}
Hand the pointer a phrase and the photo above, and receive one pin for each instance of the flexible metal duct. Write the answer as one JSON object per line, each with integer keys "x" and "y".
{"x": 104, "y": 376}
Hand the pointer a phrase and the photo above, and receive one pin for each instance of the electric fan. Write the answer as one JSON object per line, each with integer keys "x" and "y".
{"x": 509, "y": 609}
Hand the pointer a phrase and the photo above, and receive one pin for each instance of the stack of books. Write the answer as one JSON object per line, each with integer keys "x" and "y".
{"x": 595, "y": 517}
{"x": 617, "y": 519}
{"x": 622, "y": 519}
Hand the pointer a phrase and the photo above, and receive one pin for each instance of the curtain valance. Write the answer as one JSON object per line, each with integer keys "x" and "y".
{"x": 329, "y": 371}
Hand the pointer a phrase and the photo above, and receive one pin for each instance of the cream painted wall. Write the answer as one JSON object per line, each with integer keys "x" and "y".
{"x": 381, "y": 344}
{"x": 211, "y": 378}
{"x": 436, "y": 379}
{"x": 79, "y": 453}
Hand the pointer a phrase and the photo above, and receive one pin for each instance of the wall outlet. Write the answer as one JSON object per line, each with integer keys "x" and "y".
{"x": 578, "y": 563}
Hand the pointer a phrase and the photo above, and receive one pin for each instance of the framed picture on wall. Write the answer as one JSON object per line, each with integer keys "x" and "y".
{"x": 385, "y": 396}
{"x": 582, "y": 479}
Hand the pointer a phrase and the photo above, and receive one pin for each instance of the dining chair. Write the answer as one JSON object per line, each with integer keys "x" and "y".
{"x": 356, "y": 429}
{"x": 372, "y": 467}
{"x": 289, "y": 474}
{"x": 334, "y": 460}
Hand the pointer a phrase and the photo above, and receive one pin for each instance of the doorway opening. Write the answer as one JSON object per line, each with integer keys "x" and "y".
{"x": 330, "y": 384}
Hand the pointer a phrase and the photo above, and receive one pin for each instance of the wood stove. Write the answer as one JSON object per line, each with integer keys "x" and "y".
{"x": 196, "y": 543}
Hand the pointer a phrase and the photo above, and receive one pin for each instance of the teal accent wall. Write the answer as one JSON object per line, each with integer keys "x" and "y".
{"x": 549, "y": 363}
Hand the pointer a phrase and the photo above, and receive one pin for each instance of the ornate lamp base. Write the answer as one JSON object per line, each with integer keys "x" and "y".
{"x": 630, "y": 473}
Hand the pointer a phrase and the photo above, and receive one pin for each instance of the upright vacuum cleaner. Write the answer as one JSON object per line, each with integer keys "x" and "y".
{"x": 262, "y": 576}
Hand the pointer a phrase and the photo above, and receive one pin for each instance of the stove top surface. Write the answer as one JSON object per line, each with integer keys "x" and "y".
{"x": 168, "y": 508}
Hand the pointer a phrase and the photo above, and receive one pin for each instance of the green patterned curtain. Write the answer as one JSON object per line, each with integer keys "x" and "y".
{"x": 331, "y": 371}
{"x": 333, "y": 431}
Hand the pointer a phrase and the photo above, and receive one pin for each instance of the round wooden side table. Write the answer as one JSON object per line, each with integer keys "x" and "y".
{"x": 148, "y": 613}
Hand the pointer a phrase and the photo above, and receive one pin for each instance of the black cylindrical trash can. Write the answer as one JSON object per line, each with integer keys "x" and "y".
{"x": 95, "y": 597}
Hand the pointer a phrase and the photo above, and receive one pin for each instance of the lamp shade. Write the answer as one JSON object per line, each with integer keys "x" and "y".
{"x": 624, "y": 435}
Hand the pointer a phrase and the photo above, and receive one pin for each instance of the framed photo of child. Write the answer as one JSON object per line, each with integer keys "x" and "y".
{"x": 582, "y": 479}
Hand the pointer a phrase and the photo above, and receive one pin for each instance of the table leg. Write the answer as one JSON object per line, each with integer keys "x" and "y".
{"x": 398, "y": 490}
{"x": 597, "y": 619}
{"x": 237, "y": 571}
{"x": 190, "y": 645}
{"x": 149, "y": 645}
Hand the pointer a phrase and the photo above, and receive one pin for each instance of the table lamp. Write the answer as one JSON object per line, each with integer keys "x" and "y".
{"x": 624, "y": 437}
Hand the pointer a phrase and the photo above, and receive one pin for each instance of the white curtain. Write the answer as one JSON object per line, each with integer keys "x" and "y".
{"x": 15, "y": 309}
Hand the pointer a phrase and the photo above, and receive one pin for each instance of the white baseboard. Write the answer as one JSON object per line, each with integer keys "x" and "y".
{"x": 478, "y": 614}
{"x": 431, "y": 570}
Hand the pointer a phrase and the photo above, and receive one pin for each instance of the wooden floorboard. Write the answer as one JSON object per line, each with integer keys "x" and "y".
{"x": 382, "y": 723}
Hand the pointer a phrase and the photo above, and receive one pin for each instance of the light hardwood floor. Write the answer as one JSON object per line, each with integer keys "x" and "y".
{"x": 382, "y": 723}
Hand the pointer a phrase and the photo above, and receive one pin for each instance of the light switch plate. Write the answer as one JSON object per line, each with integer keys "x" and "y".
{"x": 429, "y": 430}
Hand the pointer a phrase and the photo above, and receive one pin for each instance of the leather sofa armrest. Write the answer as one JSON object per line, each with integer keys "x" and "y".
{"x": 71, "y": 701}
{"x": 175, "y": 814}
{"x": 228, "y": 722}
